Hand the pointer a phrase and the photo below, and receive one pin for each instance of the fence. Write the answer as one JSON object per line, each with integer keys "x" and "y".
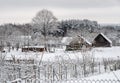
{"x": 69, "y": 81}
{"x": 90, "y": 81}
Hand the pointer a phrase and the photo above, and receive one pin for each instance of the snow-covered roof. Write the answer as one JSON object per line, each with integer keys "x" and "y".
{"x": 88, "y": 42}
{"x": 34, "y": 46}
{"x": 66, "y": 40}
{"x": 85, "y": 40}
{"x": 106, "y": 38}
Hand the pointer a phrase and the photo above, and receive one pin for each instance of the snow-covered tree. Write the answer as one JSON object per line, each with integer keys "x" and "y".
{"x": 45, "y": 22}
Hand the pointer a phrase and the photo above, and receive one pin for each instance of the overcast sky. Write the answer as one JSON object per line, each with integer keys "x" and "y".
{"x": 22, "y": 11}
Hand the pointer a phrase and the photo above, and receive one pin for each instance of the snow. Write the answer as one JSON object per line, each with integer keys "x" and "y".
{"x": 113, "y": 75}
{"x": 37, "y": 55}
{"x": 25, "y": 37}
{"x": 100, "y": 53}
{"x": 66, "y": 40}
{"x": 85, "y": 40}
{"x": 106, "y": 38}
{"x": 16, "y": 80}
{"x": 34, "y": 46}
{"x": 108, "y": 52}
{"x": 88, "y": 42}
{"x": 109, "y": 77}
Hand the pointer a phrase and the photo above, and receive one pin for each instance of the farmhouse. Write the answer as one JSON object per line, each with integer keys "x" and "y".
{"x": 33, "y": 48}
{"x": 102, "y": 41}
{"x": 77, "y": 43}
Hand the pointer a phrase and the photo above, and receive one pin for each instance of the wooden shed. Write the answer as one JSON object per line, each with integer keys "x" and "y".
{"x": 102, "y": 41}
{"x": 78, "y": 43}
{"x": 33, "y": 48}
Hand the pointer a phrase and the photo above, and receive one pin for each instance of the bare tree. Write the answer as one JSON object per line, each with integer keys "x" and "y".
{"x": 45, "y": 22}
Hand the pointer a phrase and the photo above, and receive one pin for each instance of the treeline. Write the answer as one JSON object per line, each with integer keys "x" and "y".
{"x": 71, "y": 27}
{"x": 64, "y": 28}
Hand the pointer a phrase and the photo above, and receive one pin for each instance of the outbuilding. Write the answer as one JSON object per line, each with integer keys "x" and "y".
{"x": 33, "y": 48}
{"x": 102, "y": 41}
{"x": 77, "y": 43}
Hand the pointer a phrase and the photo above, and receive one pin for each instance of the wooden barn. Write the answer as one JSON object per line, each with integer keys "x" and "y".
{"x": 78, "y": 43}
{"x": 33, "y": 48}
{"x": 102, "y": 41}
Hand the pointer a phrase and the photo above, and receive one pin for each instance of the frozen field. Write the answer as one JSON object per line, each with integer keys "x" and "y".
{"x": 67, "y": 65}
{"x": 108, "y": 52}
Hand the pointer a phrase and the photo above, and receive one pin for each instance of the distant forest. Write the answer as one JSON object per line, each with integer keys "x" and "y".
{"x": 65, "y": 28}
{"x": 70, "y": 28}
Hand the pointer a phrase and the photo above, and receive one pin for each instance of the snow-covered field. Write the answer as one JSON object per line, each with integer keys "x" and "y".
{"x": 113, "y": 75}
{"x": 107, "y": 52}
{"x": 109, "y": 77}
{"x": 95, "y": 71}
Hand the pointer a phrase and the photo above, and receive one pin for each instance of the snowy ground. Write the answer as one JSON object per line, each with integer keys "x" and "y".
{"x": 98, "y": 53}
{"x": 113, "y": 75}
{"x": 109, "y": 77}
{"x": 108, "y": 52}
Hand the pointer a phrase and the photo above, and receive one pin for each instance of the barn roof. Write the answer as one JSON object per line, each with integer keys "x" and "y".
{"x": 106, "y": 38}
{"x": 85, "y": 40}
{"x": 34, "y": 46}
{"x": 74, "y": 40}
{"x": 66, "y": 40}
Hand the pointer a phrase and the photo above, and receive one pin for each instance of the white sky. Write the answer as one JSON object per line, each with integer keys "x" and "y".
{"x": 22, "y": 11}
